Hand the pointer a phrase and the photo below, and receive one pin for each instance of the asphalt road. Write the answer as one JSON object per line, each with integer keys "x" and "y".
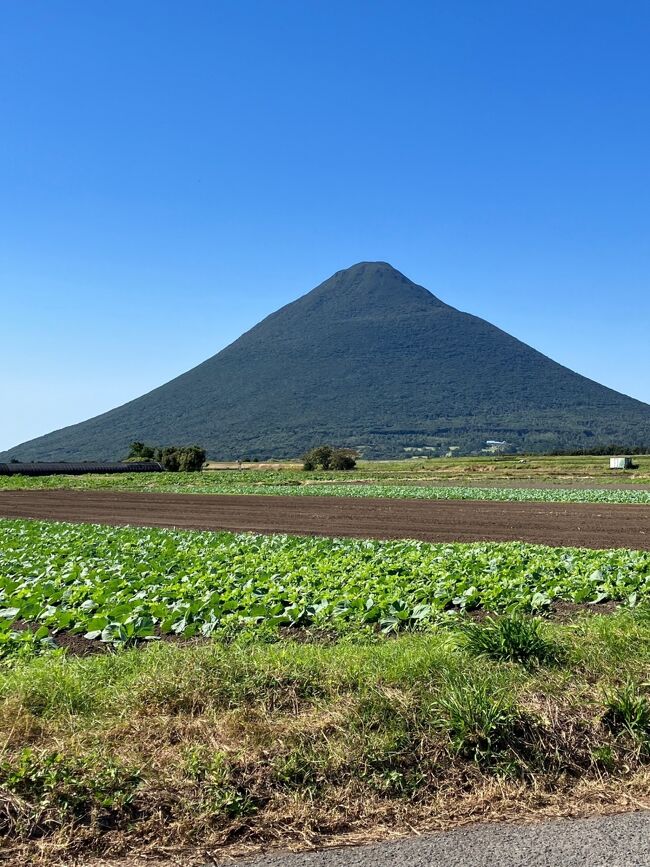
{"x": 609, "y": 841}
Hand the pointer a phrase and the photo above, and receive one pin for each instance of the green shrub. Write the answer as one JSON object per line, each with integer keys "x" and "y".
{"x": 343, "y": 459}
{"x": 184, "y": 459}
{"x": 329, "y": 458}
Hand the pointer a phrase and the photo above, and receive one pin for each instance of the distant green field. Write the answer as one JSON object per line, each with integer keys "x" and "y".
{"x": 352, "y": 484}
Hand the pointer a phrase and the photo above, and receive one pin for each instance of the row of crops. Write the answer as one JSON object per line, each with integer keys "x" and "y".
{"x": 279, "y": 483}
{"x": 117, "y": 584}
{"x": 430, "y": 492}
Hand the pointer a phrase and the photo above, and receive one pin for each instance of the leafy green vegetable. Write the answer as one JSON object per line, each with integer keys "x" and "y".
{"x": 120, "y": 584}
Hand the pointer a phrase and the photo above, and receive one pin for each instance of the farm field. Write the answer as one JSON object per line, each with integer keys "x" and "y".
{"x": 343, "y": 485}
{"x": 115, "y": 584}
{"x": 515, "y": 469}
{"x": 174, "y": 692}
{"x": 543, "y": 479}
{"x": 586, "y": 524}
{"x": 258, "y": 691}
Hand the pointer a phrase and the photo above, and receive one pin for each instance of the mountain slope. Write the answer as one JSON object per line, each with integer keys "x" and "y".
{"x": 367, "y": 359}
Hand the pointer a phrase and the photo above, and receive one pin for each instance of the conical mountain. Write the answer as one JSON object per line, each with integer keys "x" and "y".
{"x": 367, "y": 359}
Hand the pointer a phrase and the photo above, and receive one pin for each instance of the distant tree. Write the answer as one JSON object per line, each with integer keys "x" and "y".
{"x": 183, "y": 459}
{"x": 603, "y": 451}
{"x": 343, "y": 459}
{"x": 318, "y": 458}
{"x": 168, "y": 457}
{"x": 328, "y": 458}
{"x": 322, "y": 456}
{"x": 174, "y": 459}
{"x": 141, "y": 451}
{"x": 191, "y": 459}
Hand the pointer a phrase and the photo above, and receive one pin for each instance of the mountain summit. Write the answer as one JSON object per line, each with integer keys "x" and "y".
{"x": 365, "y": 286}
{"x": 367, "y": 359}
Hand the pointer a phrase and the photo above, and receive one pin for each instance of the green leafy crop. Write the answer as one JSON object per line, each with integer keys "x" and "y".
{"x": 294, "y": 483}
{"x": 120, "y": 584}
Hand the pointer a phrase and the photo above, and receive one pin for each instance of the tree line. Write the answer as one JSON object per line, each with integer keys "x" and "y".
{"x": 175, "y": 459}
{"x": 613, "y": 449}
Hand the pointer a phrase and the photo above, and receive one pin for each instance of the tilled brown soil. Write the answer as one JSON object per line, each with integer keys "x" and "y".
{"x": 581, "y": 524}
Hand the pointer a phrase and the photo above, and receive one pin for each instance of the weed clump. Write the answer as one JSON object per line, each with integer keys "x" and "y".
{"x": 628, "y": 712}
{"x": 482, "y": 720}
{"x": 513, "y": 638}
{"x": 50, "y": 789}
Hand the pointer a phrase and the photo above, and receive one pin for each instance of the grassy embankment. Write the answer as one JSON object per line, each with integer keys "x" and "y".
{"x": 251, "y": 744}
{"x": 288, "y": 729}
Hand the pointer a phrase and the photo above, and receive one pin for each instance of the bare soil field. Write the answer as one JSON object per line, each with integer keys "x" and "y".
{"x": 587, "y": 525}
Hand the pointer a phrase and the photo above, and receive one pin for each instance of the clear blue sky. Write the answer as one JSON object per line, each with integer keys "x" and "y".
{"x": 171, "y": 172}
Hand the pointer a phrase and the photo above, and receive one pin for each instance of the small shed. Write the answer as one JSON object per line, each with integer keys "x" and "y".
{"x": 620, "y": 463}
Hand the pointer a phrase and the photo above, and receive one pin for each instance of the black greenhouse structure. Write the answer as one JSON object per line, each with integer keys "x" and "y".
{"x": 77, "y": 469}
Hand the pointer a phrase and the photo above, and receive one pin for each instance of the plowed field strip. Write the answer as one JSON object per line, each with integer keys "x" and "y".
{"x": 579, "y": 524}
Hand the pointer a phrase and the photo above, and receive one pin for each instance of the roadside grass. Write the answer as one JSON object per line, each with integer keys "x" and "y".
{"x": 246, "y": 744}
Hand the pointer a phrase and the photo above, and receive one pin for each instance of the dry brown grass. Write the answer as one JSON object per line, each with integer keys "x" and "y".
{"x": 294, "y": 828}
